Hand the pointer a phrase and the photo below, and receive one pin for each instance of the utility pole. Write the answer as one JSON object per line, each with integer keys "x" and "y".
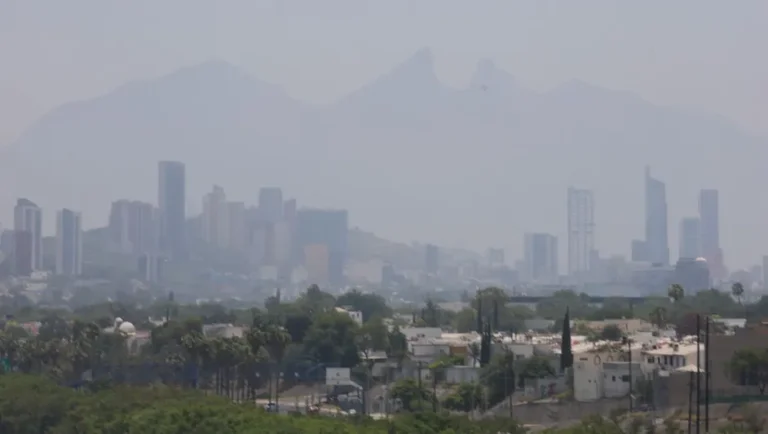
{"x": 434, "y": 391}
{"x": 631, "y": 378}
{"x": 629, "y": 347}
{"x": 698, "y": 373}
{"x": 706, "y": 378}
{"x": 420, "y": 389}
{"x": 690, "y": 400}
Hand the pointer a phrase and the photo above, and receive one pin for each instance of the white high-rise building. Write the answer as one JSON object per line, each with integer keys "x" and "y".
{"x": 581, "y": 231}
{"x": 215, "y": 218}
{"x": 28, "y": 237}
{"x": 656, "y": 234}
{"x": 69, "y": 243}
{"x": 709, "y": 215}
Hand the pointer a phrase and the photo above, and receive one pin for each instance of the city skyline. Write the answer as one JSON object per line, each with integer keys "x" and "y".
{"x": 579, "y": 223}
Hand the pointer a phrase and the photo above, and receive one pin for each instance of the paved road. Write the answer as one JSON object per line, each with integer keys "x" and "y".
{"x": 290, "y": 406}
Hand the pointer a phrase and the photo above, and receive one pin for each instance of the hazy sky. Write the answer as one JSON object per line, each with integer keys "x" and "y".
{"x": 704, "y": 54}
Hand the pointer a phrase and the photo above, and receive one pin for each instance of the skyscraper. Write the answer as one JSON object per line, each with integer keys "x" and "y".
{"x": 581, "y": 227}
{"x": 69, "y": 243}
{"x": 271, "y": 204}
{"x": 172, "y": 203}
{"x": 327, "y": 228}
{"x": 28, "y": 237}
{"x": 690, "y": 238}
{"x": 540, "y": 258}
{"x": 215, "y": 218}
{"x": 710, "y": 231}
{"x": 656, "y": 234}
{"x": 133, "y": 227}
{"x": 431, "y": 258}
{"x": 238, "y": 235}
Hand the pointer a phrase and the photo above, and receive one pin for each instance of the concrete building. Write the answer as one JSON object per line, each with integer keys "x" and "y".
{"x": 765, "y": 272}
{"x": 690, "y": 238}
{"x": 540, "y": 258}
{"x": 237, "y": 235}
{"x": 692, "y": 274}
{"x": 317, "y": 264}
{"x": 327, "y": 228}
{"x": 656, "y": 233}
{"x": 69, "y": 243}
{"x": 215, "y": 218}
{"x": 602, "y": 369}
{"x": 6, "y": 242}
{"x": 28, "y": 237}
{"x": 172, "y": 204}
{"x": 581, "y": 232}
{"x": 355, "y": 315}
{"x": 271, "y": 204}
{"x": 709, "y": 214}
{"x": 133, "y": 227}
{"x": 431, "y": 258}
{"x": 150, "y": 267}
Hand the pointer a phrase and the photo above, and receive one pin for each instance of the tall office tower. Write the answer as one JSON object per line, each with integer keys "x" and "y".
{"x": 328, "y": 228}
{"x": 238, "y": 235}
{"x": 710, "y": 232}
{"x": 765, "y": 272}
{"x": 639, "y": 251}
{"x": 150, "y": 267}
{"x": 69, "y": 243}
{"x": 6, "y": 242}
{"x": 271, "y": 204}
{"x": 172, "y": 203}
{"x": 581, "y": 230}
{"x": 540, "y": 258}
{"x": 215, "y": 219}
{"x": 118, "y": 228}
{"x": 690, "y": 238}
{"x": 656, "y": 235}
{"x": 283, "y": 244}
{"x": 28, "y": 237}
{"x": 132, "y": 227}
{"x": 431, "y": 258}
{"x": 143, "y": 227}
{"x": 317, "y": 262}
{"x": 289, "y": 216}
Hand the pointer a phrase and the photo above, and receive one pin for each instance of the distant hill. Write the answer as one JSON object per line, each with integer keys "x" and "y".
{"x": 409, "y": 156}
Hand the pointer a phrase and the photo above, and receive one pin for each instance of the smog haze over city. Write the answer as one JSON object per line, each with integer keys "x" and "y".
{"x": 442, "y": 122}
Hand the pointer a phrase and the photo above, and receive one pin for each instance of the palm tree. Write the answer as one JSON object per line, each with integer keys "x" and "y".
{"x": 676, "y": 292}
{"x": 431, "y": 313}
{"x": 199, "y": 350}
{"x": 737, "y": 289}
{"x": 275, "y": 341}
{"x": 474, "y": 352}
{"x": 659, "y": 316}
{"x": 255, "y": 337}
{"x": 83, "y": 343}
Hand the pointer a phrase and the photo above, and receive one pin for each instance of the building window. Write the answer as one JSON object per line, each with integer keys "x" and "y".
{"x": 651, "y": 360}
{"x": 625, "y": 378}
{"x": 613, "y": 378}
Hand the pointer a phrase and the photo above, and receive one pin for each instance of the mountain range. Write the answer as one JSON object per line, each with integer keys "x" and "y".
{"x": 411, "y": 158}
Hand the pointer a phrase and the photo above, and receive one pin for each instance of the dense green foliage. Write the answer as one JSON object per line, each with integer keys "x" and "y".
{"x": 30, "y": 404}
